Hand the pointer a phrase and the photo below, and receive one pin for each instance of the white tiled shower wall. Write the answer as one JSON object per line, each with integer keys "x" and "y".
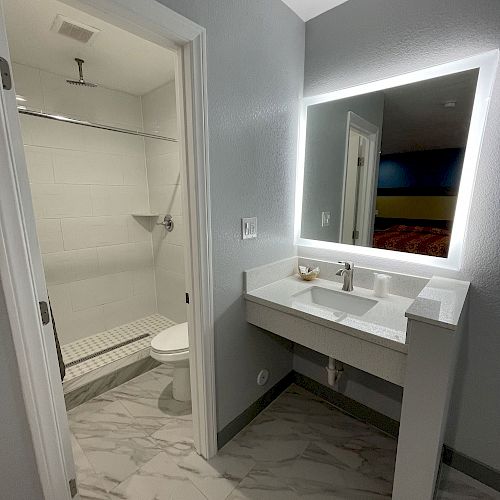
{"x": 163, "y": 171}
{"x": 86, "y": 183}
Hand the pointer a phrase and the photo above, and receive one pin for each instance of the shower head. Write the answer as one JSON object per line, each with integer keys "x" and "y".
{"x": 81, "y": 81}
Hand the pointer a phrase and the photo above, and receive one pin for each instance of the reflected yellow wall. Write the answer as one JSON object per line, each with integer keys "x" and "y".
{"x": 417, "y": 207}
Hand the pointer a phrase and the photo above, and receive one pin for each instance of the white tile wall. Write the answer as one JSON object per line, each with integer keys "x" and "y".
{"x": 73, "y": 265}
{"x": 86, "y": 183}
{"x": 139, "y": 229}
{"x": 170, "y": 289}
{"x": 166, "y": 199}
{"x": 29, "y": 86}
{"x": 85, "y": 167}
{"x": 157, "y": 148}
{"x": 55, "y": 201}
{"x": 49, "y": 235}
{"x": 121, "y": 312}
{"x": 116, "y": 200}
{"x": 163, "y": 171}
{"x": 143, "y": 281}
{"x": 171, "y": 258}
{"x": 159, "y": 111}
{"x": 126, "y": 257}
{"x": 88, "y": 232}
{"x": 40, "y": 164}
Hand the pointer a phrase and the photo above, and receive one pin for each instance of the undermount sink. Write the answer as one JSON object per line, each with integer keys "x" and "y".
{"x": 337, "y": 301}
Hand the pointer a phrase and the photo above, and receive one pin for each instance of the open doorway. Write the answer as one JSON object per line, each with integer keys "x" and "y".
{"x": 109, "y": 135}
{"x": 104, "y": 170}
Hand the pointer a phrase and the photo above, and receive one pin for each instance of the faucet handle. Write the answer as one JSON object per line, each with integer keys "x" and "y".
{"x": 348, "y": 265}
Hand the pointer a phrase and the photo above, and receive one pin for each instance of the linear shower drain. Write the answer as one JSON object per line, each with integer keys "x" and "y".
{"x": 106, "y": 350}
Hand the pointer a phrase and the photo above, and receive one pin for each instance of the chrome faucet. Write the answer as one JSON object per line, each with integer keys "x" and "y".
{"x": 347, "y": 273}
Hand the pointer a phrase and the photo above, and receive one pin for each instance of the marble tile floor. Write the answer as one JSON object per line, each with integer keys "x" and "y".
{"x": 135, "y": 443}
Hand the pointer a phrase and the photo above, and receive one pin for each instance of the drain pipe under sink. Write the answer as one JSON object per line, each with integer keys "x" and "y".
{"x": 333, "y": 372}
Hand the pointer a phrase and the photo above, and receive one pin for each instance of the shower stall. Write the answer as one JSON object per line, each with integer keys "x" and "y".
{"x": 104, "y": 172}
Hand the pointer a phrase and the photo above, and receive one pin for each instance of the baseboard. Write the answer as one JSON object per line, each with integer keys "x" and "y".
{"x": 357, "y": 410}
{"x": 243, "y": 419}
{"x": 348, "y": 405}
{"x": 472, "y": 467}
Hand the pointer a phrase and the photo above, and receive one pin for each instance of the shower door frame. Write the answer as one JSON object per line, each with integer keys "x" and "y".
{"x": 20, "y": 260}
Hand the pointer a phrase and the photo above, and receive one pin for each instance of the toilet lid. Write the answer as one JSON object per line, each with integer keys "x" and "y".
{"x": 173, "y": 339}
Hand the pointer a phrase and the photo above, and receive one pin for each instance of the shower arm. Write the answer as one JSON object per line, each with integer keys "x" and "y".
{"x": 80, "y": 68}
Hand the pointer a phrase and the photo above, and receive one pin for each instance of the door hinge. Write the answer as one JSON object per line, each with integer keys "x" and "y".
{"x": 361, "y": 162}
{"x": 187, "y": 298}
{"x": 5, "y": 72}
{"x": 355, "y": 235}
{"x": 72, "y": 487}
{"x": 44, "y": 312}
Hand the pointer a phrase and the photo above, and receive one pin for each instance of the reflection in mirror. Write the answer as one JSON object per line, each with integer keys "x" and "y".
{"x": 383, "y": 169}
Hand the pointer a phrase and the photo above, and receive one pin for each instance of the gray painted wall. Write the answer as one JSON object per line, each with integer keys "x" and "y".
{"x": 362, "y": 41}
{"x": 324, "y": 163}
{"x": 18, "y": 470}
{"x": 255, "y": 77}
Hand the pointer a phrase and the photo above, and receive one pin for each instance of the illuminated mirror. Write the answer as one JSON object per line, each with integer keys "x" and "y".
{"x": 385, "y": 169}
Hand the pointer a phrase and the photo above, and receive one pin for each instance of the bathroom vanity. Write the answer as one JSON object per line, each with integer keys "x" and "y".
{"x": 409, "y": 338}
{"x": 385, "y": 171}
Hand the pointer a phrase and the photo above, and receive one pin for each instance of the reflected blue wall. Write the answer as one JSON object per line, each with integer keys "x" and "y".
{"x": 421, "y": 170}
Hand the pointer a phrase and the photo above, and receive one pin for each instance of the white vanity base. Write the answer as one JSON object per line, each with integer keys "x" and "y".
{"x": 433, "y": 344}
{"x": 379, "y": 360}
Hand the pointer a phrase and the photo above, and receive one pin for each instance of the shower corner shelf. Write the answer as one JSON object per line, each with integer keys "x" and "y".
{"x": 145, "y": 214}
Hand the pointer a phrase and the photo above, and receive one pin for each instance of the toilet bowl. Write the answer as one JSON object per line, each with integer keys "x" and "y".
{"x": 172, "y": 346}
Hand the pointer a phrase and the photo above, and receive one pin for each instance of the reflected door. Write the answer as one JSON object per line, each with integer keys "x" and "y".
{"x": 355, "y": 230}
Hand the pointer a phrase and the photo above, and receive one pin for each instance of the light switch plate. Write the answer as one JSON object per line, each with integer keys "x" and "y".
{"x": 249, "y": 228}
{"x": 325, "y": 219}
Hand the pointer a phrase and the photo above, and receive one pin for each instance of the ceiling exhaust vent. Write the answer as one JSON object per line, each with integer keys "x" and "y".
{"x": 73, "y": 29}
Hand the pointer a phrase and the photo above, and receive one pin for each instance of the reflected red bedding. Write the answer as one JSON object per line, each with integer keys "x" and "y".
{"x": 414, "y": 239}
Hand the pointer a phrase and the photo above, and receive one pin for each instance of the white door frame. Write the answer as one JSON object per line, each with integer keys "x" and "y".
{"x": 372, "y": 133}
{"x": 21, "y": 267}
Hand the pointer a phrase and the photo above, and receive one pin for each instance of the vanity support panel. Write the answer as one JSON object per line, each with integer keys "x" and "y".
{"x": 430, "y": 372}
{"x": 385, "y": 363}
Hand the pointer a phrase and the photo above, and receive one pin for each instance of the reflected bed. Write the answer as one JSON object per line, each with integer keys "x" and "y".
{"x": 425, "y": 240}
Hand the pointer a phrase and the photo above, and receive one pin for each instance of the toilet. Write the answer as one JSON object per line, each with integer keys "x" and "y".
{"x": 172, "y": 346}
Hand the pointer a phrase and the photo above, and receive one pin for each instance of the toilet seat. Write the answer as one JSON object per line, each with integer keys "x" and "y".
{"x": 171, "y": 344}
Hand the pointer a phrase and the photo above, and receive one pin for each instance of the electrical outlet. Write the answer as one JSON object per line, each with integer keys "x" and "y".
{"x": 249, "y": 228}
{"x": 325, "y": 219}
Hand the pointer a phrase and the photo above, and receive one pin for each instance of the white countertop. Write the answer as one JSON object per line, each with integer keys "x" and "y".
{"x": 383, "y": 324}
{"x": 440, "y": 303}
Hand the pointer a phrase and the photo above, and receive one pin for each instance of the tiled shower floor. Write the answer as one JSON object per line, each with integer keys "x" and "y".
{"x": 135, "y": 443}
{"x": 150, "y": 325}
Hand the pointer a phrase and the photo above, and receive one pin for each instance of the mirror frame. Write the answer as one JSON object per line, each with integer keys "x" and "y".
{"x": 487, "y": 64}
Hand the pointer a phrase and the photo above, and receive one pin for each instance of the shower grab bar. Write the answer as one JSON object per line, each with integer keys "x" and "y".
{"x": 61, "y": 118}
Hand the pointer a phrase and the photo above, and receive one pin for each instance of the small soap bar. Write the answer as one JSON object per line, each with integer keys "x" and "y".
{"x": 381, "y": 285}
{"x": 308, "y": 274}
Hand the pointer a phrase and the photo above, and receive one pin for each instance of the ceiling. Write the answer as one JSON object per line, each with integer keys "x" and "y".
{"x": 416, "y": 119}
{"x": 114, "y": 58}
{"x": 307, "y": 9}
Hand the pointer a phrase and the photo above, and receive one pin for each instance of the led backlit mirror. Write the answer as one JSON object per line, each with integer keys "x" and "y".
{"x": 383, "y": 169}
